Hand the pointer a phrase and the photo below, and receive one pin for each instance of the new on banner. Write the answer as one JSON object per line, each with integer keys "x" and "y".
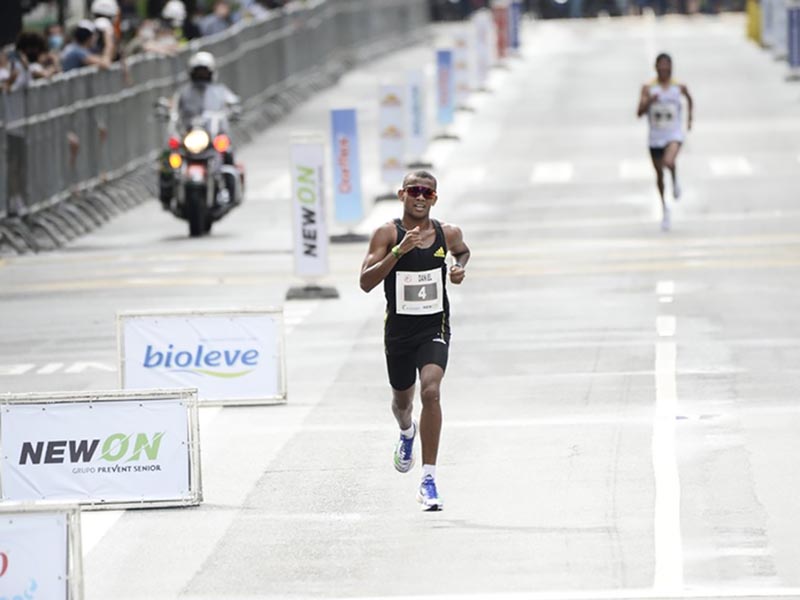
{"x": 230, "y": 356}
{"x": 40, "y": 553}
{"x": 462, "y": 66}
{"x": 417, "y": 120}
{"x": 126, "y": 449}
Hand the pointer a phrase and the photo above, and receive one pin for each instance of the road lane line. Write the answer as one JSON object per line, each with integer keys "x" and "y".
{"x": 666, "y": 325}
{"x": 639, "y": 169}
{"x": 668, "y": 576}
{"x": 730, "y": 166}
{"x": 552, "y": 172}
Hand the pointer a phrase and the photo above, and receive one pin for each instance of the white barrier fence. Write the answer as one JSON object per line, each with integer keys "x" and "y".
{"x": 230, "y": 356}
{"x": 40, "y": 553}
{"x": 101, "y": 449}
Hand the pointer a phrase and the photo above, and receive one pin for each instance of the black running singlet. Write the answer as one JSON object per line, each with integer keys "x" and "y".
{"x": 417, "y": 309}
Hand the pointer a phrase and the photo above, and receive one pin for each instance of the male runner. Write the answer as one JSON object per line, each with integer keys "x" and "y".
{"x": 408, "y": 255}
{"x": 661, "y": 100}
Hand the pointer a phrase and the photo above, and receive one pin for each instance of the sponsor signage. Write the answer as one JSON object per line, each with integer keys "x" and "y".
{"x": 462, "y": 66}
{"x": 391, "y": 129}
{"x": 39, "y": 555}
{"x": 482, "y": 23}
{"x": 417, "y": 127}
{"x": 307, "y": 157}
{"x": 500, "y": 12}
{"x": 100, "y": 449}
{"x": 231, "y": 357}
{"x": 793, "y": 18}
{"x": 780, "y": 29}
{"x": 347, "y": 197}
{"x": 445, "y": 87}
{"x": 514, "y": 24}
{"x": 767, "y": 8}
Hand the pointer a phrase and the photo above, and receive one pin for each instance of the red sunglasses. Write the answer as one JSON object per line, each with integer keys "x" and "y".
{"x": 420, "y": 190}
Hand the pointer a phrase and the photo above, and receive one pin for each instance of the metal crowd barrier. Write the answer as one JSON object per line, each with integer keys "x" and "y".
{"x": 65, "y": 137}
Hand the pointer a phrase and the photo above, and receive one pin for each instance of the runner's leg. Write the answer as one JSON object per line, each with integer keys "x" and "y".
{"x": 658, "y": 165}
{"x": 430, "y": 421}
{"x": 670, "y": 162}
{"x": 403, "y": 406}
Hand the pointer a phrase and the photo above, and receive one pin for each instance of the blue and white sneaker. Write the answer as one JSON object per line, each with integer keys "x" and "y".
{"x": 428, "y": 496}
{"x": 404, "y": 452}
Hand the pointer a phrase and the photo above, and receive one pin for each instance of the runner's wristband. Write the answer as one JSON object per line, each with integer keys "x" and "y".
{"x": 396, "y": 252}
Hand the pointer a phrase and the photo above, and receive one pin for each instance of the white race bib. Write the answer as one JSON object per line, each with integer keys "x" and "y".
{"x": 419, "y": 292}
{"x": 663, "y": 116}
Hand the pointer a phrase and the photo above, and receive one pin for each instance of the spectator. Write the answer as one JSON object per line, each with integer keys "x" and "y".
{"x": 251, "y": 9}
{"x": 174, "y": 14}
{"x": 217, "y": 21}
{"x": 24, "y": 65}
{"x": 153, "y": 36}
{"x": 77, "y": 53}
{"x": 5, "y": 71}
{"x": 55, "y": 37}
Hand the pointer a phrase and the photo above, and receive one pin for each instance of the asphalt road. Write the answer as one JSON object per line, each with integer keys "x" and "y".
{"x": 621, "y": 408}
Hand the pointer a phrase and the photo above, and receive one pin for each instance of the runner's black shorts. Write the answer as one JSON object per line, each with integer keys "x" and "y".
{"x": 657, "y": 153}
{"x": 404, "y": 364}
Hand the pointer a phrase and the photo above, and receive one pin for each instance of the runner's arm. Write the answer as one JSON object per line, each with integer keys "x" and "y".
{"x": 689, "y": 105}
{"x": 645, "y": 100}
{"x": 460, "y": 251}
{"x": 380, "y": 260}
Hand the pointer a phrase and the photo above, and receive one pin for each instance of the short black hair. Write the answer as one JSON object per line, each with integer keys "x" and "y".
{"x": 663, "y": 56}
{"x": 420, "y": 175}
{"x": 30, "y": 40}
{"x": 81, "y": 35}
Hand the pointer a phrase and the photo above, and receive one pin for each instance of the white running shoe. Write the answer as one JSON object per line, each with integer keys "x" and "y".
{"x": 428, "y": 495}
{"x": 404, "y": 452}
{"x": 665, "y": 220}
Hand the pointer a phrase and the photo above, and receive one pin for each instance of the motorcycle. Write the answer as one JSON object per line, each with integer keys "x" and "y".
{"x": 199, "y": 181}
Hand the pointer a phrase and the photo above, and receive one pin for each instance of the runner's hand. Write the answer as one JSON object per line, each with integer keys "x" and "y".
{"x": 411, "y": 240}
{"x": 457, "y": 274}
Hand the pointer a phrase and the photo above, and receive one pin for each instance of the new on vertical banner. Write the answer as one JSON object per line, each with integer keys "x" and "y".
{"x": 391, "y": 125}
{"x": 482, "y": 24}
{"x": 417, "y": 127}
{"x": 308, "y": 199}
{"x": 445, "y": 87}
{"x": 348, "y": 205}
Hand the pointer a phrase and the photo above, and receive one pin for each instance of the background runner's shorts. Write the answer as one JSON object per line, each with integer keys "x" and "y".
{"x": 403, "y": 367}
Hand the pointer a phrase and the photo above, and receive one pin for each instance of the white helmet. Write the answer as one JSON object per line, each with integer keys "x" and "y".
{"x": 202, "y": 59}
{"x": 105, "y": 8}
{"x": 175, "y": 12}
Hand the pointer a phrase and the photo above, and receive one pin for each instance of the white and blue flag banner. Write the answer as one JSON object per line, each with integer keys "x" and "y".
{"x": 416, "y": 115}
{"x": 347, "y": 198}
{"x": 231, "y": 357}
{"x": 514, "y": 24}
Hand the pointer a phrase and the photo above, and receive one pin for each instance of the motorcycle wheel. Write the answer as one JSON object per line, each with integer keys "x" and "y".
{"x": 197, "y": 212}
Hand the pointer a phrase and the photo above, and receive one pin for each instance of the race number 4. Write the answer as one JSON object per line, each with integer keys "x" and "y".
{"x": 419, "y": 293}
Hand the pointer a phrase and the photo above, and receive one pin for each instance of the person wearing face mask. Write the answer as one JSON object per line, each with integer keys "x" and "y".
{"x": 55, "y": 37}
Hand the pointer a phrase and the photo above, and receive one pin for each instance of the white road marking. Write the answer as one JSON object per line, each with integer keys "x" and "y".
{"x": 665, "y": 288}
{"x": 665, "y": 299}
{"x": 668, "y": 576}
{"x": 666, "y": 325}
{"x": 50, "y": 368}
{"x": 552, "y": 172}
{"x": 730, "y": 166}
{"x": 636, "y": 169}
{"x": 720, "y": 593}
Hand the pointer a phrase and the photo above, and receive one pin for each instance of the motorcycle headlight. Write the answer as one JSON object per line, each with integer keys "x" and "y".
{"x": 196, "y": 141}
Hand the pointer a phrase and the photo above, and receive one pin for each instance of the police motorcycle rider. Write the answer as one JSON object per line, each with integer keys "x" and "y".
{"x": 200, "y": 96}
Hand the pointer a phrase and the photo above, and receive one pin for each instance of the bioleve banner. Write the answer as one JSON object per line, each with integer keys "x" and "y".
{"x": 99, "y": 451}
{"x": 445, "y": 87}
{"x": 307, "y": 158}
{"x": 391, "y": 129}
{"x": 348, "y": 203}
{"x": 231, "y": 357}
{"x": 34, "y": 556}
